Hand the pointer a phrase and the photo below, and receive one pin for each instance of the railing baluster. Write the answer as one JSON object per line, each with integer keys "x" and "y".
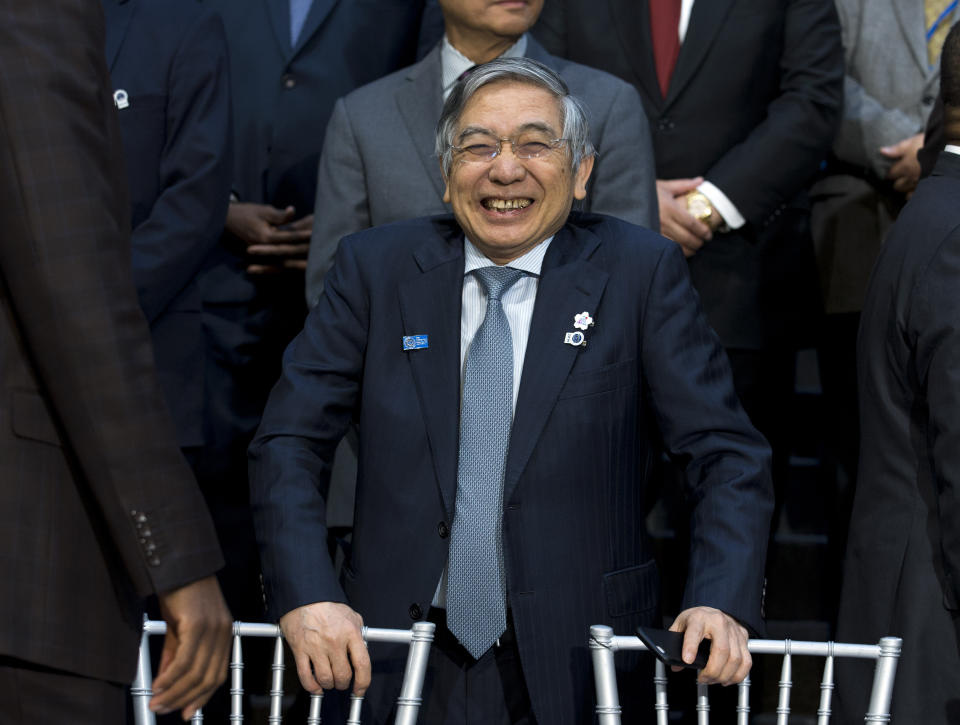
{"x": 826, "y": 690}
{"x": 604, "y": 675}
{"x": 703, "y": 703}
{"x": 743, "y": 702}
{"x": 276, "y": 684}
{"x": 662, "y": 707}
{"x": 236, "y": 678}
{"x": 313, "y": 718}
{"x": 786, "y": 683}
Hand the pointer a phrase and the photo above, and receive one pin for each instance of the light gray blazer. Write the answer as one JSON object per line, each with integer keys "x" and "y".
{"x": 889, "y": 90}
{"x": 378, "y": 163}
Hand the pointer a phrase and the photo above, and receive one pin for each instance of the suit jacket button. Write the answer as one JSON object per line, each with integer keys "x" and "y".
{"x": 289, "y": 81}
{"x": 415, "y": 611}
{"x": 443, "y": 529}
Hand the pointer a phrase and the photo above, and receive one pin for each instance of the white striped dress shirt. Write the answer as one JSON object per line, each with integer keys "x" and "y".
{"x": 517, "y": 304}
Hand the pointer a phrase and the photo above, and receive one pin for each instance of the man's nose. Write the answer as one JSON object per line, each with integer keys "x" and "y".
{"x": 505, "y": 167}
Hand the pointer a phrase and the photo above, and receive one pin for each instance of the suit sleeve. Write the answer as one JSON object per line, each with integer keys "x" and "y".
{"x": 292, "y": 454}
{"x": 624, "y": 177}
{"x": 773, "y": 163}
{"x": 187, "y": 218}
{"x": 725, "y": 460}
{"x": 934, "y": 327}
{"x": 866, "y": 123}
{"x": 65, "y": 268}
{"x": 342, "y": 205}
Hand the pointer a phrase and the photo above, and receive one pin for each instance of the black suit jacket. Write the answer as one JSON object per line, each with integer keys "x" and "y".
{"x": 587, "y": 421}
{"x": 170, "y": 59}
{"x": 752, "y": 106}
{"x": 902, "y": 571}
{"x": 97, "y": 506}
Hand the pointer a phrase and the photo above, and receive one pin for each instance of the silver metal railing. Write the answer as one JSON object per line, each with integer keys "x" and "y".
{"x": 418, "y": 640}
{"x": 604, "y": 644}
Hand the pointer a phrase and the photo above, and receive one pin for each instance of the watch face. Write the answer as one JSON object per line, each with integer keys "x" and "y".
{"x": 699, "y": 207}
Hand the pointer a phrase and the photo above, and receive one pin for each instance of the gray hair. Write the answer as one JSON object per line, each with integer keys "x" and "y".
{"x": 573, "y": 116}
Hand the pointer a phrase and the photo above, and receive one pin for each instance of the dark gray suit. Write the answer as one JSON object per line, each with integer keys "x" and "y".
{"x": 902, "y": 574}
{"x": 378, "y": 163}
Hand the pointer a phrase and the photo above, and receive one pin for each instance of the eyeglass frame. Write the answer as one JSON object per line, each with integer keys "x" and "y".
{"x": 466, "y": 154}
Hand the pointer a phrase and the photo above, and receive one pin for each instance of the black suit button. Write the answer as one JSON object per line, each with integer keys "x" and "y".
{"x": 443, "y": 529}
{"x": 665, "y": 124}
{"x": 928, "y": 100}
{"x": 415, "y": 612}
{"x": 288, "y": 81}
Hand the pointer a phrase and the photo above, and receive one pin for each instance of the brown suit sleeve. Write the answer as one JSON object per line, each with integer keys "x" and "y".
{"x": 67, "y": 295}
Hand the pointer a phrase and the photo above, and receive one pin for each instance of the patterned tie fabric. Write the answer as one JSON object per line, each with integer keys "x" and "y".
{"x": 299, "y": 9}
{"x": 665, "y": 35}
{"x": 476, "y": 588}
{"x": 937, "y": 14}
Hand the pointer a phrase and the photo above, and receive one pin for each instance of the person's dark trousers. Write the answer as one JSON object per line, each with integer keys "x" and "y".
{"x": 837, "y": 356}
{"x": 459, "y": 690}
{"x": 35, "y": 695}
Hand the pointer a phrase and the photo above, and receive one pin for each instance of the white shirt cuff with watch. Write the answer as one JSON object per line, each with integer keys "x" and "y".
{"x": 725, "y": 208}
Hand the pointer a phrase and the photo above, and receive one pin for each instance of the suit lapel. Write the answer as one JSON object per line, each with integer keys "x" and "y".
{"x": 279, "y": 13}
{"x": 117, "y": 15}
{"x": 569, "y": 284}
{"x": 706, "y": 21}
{"x": 430, "y": 305}
{"x": 632, "y": 18}
{"x": 319, "y": 11}
{"x": 420, "y": 101}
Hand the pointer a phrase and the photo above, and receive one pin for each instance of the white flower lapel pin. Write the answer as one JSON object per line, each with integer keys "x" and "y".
{"x": 581, "y": 321}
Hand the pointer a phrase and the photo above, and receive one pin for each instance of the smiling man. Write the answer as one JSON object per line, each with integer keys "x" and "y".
{"x": 513, "y": 368}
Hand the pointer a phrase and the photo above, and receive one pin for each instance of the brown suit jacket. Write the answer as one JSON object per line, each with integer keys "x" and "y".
{"x": 97, "y": 506}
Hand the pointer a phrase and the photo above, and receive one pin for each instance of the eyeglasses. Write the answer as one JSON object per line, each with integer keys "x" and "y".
{"x": 486, "y": 148}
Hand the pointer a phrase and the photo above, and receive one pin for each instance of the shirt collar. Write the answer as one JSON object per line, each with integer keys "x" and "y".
{"x": 453, "y": 63}
{"x": 531, "y": 262}
{"x": 950, "y": 148}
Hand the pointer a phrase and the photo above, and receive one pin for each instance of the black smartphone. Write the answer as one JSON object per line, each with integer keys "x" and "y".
{"x": 668, "y": 647}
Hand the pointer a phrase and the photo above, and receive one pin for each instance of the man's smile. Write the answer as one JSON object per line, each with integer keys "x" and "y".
{"x": 505, "y": 205}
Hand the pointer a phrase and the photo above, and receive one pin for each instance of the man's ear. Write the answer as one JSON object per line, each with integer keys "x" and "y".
{"x": 581, "y": 177}
{"x": 446, "y": 184}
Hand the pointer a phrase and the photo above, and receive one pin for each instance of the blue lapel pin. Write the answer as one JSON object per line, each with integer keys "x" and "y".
{"x": 416, "y": 342}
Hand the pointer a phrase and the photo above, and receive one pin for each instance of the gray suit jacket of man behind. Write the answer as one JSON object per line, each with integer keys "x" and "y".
{"x": 888, "y": 91}
{"x": 378, "y": 163}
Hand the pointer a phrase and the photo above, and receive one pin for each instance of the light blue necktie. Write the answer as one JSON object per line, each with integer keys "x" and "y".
{"x": 476, "y": 588}
{"x": 299, "y": 9}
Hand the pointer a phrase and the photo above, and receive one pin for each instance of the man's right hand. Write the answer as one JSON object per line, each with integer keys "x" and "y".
{"x": 327, "y": 643}
{"x": 258, "y": 226}
{"x": 676, "y": 222}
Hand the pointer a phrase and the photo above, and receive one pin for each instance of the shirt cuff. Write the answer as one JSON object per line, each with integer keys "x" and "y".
{"x": 723, "y": 205}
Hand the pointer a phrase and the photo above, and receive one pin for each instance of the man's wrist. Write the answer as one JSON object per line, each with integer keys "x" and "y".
{"x": 701, "y": 209}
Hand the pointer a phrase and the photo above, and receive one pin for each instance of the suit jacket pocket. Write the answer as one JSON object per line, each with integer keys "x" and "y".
{"x": 30, "y": 418}
{"x": 599, "y": 380}
{"x": 632, "y": 590}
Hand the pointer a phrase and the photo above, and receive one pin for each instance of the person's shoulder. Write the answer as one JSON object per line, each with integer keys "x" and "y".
{"x": 621, "y": 238}
{"x": 175, "y": 12}
{"x": 376, "y": 93}
{"x": 387, "y": 242}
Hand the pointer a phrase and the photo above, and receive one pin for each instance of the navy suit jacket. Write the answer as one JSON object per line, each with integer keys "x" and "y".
{"x": 284, "y": 95}
{"x": 587, "y": 421}
{"x": 170, "y": 59}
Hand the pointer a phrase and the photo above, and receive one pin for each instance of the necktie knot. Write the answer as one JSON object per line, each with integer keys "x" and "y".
{"x": 497, "y": 280}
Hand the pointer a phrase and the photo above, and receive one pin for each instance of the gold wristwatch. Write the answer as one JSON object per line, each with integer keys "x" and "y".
{"x": 700, "y": 208}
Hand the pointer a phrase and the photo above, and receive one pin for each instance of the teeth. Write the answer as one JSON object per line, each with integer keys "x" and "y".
{"x": 505, "y": 204}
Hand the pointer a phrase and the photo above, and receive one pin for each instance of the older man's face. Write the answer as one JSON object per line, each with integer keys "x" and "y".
{"x": 508, "y": 205}
{"x": 502, "y": 18}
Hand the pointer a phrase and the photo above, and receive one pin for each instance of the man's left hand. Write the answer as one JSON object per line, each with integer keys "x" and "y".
{"x": 730, "y": 660}
{"x": 905, "y": 171}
